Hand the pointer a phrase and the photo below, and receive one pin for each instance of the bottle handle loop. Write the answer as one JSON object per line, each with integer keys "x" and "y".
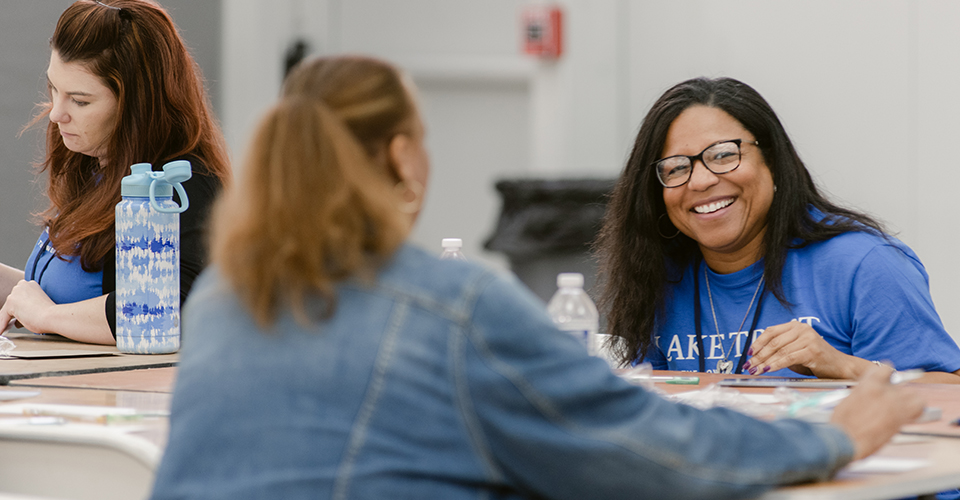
{"x": 184, "y": 202}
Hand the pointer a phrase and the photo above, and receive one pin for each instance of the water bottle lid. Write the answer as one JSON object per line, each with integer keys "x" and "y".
{"x": 451, "y": 243}
{"x": 570, "y": 280}
{"x": 142, "y": 175}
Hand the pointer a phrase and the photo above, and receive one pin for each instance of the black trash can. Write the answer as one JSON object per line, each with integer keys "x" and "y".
{"x": 546, "y": 227}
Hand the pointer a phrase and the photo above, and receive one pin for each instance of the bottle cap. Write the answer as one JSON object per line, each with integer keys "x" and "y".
{"x": 451, "y": 243}
{"x": 570, "y": 280}
{"x": 142, "y": 175}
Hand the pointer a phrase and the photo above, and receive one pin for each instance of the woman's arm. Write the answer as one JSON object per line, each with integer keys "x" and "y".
{"x": 566, "y": 427}
{"x": 82, "y": 321}
{"x": 9, "y": 277}
{"x": 798, "y": 346}
{"x": 939, "y": 378}
{"x": 890, "y": 317}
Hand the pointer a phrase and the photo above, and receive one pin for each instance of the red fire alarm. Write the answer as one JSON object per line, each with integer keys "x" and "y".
{"x": 543, "y": 31}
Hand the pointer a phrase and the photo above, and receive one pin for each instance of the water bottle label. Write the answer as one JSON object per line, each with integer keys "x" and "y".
{"x": 148, "y": 279}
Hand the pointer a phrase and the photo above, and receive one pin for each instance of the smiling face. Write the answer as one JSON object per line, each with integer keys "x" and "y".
{"x": 725, "y": 214}
{"x": 83, "y": 107}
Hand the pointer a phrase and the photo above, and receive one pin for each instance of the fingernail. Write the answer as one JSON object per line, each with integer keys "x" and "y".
{"x": 750, "y": 352}
{"x": 753, "y": 371}
{"x": 746, "y": 366}
{"x": 766, "y": 369}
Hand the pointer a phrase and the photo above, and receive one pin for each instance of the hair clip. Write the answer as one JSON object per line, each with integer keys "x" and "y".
{"x": 123, "y": 13}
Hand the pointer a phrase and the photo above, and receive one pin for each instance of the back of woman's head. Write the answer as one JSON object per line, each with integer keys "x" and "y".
{"x": 163, "y": 113}
{"x": 315, "y": 203}
{"x": 369, "y": 96}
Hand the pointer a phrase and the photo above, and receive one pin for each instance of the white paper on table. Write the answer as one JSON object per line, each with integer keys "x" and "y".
{"x": 885, "y": 465}
{"x": 11, "y": 395}
{"x": 760, "y": 399}
{"x": 61, "y": 410}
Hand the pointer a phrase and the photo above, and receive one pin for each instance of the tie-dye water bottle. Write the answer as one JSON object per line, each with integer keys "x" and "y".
{"x": 148, "y": 258}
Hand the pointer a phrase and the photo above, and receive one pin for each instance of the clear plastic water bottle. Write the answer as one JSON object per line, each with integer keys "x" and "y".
{"x": 573, "y": 312}
{"x": 148, "y": 258}
{"x": 452, "y": 249}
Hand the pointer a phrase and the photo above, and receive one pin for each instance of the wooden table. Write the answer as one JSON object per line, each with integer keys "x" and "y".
{"x": 153, "y": 429}
{"x": 149, "y": 389}
{"x": 84, "y": 459}
{"x": 141, "y": 382}
{"x": 144, "y": 380}
{"x": 938, "y": 442}
{"x": 123, "y": 380}
{"x": 18, "y": 369}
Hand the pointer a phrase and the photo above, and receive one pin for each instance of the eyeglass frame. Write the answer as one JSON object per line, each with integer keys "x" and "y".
{"x": 693, "y": 161}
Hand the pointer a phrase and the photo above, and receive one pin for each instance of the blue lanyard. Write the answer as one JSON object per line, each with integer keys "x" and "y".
{"x": 36, "y": 260}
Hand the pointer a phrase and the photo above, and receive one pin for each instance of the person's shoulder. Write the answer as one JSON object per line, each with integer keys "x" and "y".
{"x": 202, "y": 180}
{"x": 414, "y": 270}
{"x": 209, "y": 284}
{"x": 853, "y": 247}
{"x": 850, "y": 243}
{"x": 861, "y": 238}
{"x": 450, "y": 286}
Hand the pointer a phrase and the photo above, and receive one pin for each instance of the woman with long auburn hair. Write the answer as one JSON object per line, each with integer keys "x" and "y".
{"x": 325, "y": 357}
{"x": 123, "y": 89}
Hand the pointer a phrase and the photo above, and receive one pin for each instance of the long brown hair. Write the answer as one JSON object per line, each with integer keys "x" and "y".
{"x": 315, "y": 203}
{"x": 163, "y": 113}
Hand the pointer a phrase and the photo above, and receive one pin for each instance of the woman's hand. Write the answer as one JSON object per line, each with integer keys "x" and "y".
{"x": 798, "y": 346}
{"x": 875, "y": 410}
{"x": 26, "y": 305}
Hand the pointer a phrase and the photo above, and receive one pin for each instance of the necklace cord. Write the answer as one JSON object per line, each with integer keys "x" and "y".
{"x": 753, "y": 327}
{"x": 727, "y": 352}
{"x": 697, "y": 315}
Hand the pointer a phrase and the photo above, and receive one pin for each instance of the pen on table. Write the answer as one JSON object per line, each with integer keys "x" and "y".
{"x": 670, "y": 379}
{"x": 930, "y": 413}
{"x": 899, "y": 377}
{"x": 827, "y": 400}
{"x": 98, "y": 419}
{"x": 44, "y": 420}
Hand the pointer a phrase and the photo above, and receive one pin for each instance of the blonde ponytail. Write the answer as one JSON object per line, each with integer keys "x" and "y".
{"x": 310, "y": 209}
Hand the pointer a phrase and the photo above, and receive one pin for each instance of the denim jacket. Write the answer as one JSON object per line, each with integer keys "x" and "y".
{"x": 443, "y": 380}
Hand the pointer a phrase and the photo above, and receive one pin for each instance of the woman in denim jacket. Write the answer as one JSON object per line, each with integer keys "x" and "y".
{"x": 325, "y": 358}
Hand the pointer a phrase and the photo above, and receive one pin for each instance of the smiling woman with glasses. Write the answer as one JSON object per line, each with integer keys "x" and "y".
{"x": 719, "y": 254}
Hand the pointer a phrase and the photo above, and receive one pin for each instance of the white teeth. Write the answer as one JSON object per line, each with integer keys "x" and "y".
{"x": 713, "y": 207}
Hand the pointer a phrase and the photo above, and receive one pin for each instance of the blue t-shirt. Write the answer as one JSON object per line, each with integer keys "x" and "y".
{"x": 61, "y": 278}
{"x": 866, "y": 295}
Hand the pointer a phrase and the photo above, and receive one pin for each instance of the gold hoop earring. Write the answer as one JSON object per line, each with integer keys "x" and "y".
{"x": 409, "y": 196}
{"x": 659, "y": 230}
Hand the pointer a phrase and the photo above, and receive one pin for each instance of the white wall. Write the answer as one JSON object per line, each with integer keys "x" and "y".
{"x": 866, "y": 88}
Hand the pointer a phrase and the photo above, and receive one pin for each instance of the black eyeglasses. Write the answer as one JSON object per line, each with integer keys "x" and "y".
{"x": 719, "y": 158}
